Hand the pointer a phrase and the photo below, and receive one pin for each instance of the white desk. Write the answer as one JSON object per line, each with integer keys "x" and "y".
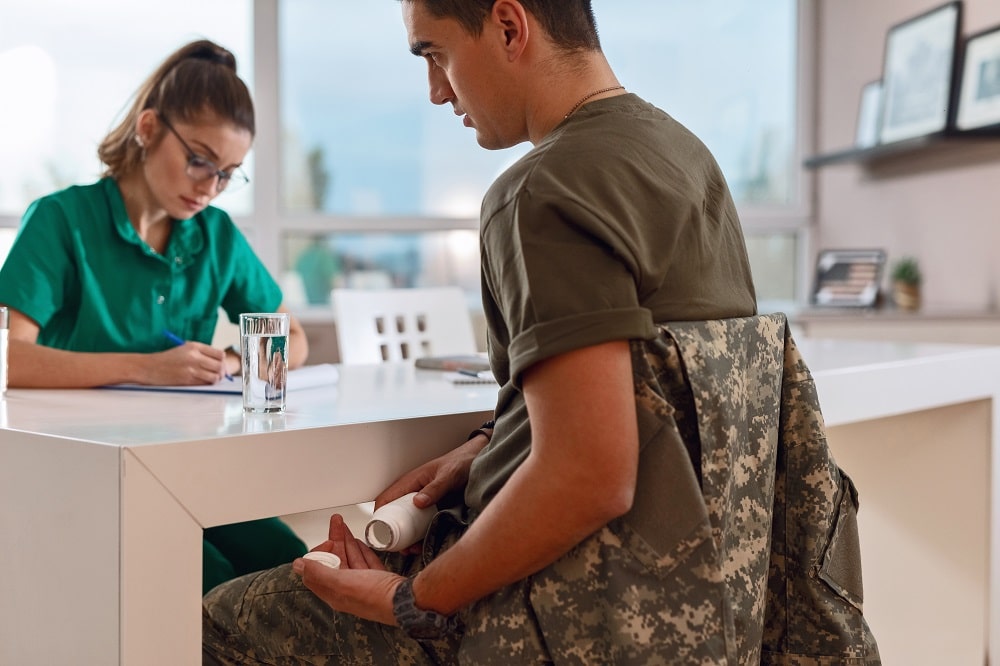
{"x": 915, "y": 426}
{"x": 103, "y": 495}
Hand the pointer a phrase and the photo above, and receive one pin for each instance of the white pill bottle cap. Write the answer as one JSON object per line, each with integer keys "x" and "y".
{"x": 398, "y": 524}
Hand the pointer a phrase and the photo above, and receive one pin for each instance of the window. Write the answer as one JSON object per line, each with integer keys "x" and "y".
{"x": 359, "y": 134}
{"x": 774, "y": 259}
{"x": 68, "y": 69}
{"x": 348, "y": 145}
{"x": 725, "y": 69}
{"x": 361, "y": 141}
{"x": 380, "y": 260}
{"x": 361, "y": 138}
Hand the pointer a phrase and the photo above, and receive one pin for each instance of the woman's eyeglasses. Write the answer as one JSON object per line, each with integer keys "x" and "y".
{"x": 200, "y": 168}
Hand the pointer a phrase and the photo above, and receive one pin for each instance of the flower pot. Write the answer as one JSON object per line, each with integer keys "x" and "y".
{"x": 906, "y": 295}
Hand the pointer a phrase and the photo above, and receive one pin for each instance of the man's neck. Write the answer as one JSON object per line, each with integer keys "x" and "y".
{"x": 569, "y": 87}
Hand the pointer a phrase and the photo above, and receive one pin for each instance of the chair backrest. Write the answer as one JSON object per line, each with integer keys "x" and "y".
{"x": 376, "y": 325}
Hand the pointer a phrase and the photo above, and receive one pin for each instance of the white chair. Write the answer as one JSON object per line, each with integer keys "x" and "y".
{"x": 377, "y": 325}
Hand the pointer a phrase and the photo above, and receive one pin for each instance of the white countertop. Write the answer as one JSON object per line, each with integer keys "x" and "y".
{"x": 856, "y": 380}
{"x": 137, "y": 418}
{"x": 860, "y": 380}
{"x": 925, "y": 314}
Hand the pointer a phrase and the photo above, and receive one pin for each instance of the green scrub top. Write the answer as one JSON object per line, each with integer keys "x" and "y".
{"x": 79, "y": 269}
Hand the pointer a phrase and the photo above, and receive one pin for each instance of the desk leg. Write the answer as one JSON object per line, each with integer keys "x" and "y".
{"x": 58, "y": 551}
{"x": 161, "y": 573}
{"x": 924, "y": 484}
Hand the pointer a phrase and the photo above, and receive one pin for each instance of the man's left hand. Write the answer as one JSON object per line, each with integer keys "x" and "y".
{"x": 361, "y": 586}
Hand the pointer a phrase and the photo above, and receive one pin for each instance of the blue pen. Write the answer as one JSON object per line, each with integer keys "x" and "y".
{"x": 178, "y": 340}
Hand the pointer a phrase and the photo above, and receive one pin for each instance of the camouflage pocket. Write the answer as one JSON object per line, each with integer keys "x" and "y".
{"x": 840, "y": 567}
{"x": 668, "y": 519}
{"x": 814, "y": 605}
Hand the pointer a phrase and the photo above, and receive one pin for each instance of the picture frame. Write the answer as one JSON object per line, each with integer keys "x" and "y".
{"x": 848, "y": 278}
{"x": 869, "y": 115}
{"x": 918, "y": 74}
{"x": 978, "y": 106}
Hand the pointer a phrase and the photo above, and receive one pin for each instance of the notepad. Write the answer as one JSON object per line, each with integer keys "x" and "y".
{"x": 308, "y": 376}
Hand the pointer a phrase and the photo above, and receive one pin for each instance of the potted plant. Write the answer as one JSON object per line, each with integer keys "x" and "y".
{"x": 906, "y": 279}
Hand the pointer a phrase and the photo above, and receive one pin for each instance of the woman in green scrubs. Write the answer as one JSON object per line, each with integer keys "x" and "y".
{"x": 103, "y": 278}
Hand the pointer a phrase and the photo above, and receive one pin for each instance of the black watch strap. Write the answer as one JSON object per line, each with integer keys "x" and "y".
{"x": 419, "y": 623}
{"x": 481, "y": 430}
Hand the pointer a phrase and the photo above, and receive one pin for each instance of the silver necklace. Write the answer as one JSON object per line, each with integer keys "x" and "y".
{"x": 588, "y": 96}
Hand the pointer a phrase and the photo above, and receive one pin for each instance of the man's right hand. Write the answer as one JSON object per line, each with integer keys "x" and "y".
{"x": 436, "y": 478}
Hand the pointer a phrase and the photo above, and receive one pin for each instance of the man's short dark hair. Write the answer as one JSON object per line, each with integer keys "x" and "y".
{"x": 569, "y": 23}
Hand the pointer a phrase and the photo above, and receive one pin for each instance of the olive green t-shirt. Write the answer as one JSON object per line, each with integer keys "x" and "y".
{"x": 80, "y": 271}
{"x": 618, "y": 219}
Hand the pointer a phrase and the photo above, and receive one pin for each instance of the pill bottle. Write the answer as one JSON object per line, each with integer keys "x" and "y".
{"x": 398, "y": 524}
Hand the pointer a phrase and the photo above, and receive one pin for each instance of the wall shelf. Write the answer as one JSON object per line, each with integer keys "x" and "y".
{"x": 951, "y": 142}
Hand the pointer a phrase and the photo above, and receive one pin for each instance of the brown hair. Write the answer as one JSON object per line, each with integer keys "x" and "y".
{"x": 570, "y": 24}
{"x": 197, "y": 78}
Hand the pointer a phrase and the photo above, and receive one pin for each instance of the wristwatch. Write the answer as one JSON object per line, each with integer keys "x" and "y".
{"x": 419, "y": 623}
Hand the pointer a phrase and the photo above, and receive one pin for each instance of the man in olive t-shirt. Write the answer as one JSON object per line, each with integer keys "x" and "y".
{"x": 617, "y": 219}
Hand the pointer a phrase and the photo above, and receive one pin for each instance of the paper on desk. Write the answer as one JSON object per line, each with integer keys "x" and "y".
{"x": 308, "y": 376}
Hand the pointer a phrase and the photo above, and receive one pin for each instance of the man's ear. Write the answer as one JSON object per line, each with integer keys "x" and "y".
{"x": 511, "y": 17}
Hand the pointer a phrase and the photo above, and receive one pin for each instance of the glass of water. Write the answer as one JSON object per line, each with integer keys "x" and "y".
{"x": 264, "y": 348}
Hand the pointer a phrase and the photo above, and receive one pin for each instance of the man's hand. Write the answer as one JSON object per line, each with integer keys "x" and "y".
{"x": 361, "y": 586}
{"x": 435, "y": 479}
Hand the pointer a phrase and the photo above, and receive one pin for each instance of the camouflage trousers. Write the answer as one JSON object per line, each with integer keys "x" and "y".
{"x": 602, "y": 603}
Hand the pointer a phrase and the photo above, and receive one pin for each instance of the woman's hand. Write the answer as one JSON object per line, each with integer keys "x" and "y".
{"x": 36, "y": 366}
{"x": 185, "y": 365}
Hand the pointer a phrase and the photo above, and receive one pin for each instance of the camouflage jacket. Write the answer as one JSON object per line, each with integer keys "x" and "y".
{"x": 782, "y": 514}
{"x": 741, "y": 546}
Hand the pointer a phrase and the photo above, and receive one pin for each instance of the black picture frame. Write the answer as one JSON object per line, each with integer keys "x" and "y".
{"x": 978, "y": 102}
{"x": 919, "y": 74}
{"x": 848, "y": 278}
{"x": 869, "y": 115}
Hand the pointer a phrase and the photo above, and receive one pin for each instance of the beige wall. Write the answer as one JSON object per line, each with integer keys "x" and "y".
{"x": 942, "y": 207}
{"x": 924, "y": 530}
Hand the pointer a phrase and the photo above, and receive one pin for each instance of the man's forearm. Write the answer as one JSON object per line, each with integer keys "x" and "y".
{"x": 536, "y": 519}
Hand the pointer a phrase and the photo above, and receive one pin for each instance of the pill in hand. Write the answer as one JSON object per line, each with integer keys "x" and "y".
{"x": 324, "y": 558}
